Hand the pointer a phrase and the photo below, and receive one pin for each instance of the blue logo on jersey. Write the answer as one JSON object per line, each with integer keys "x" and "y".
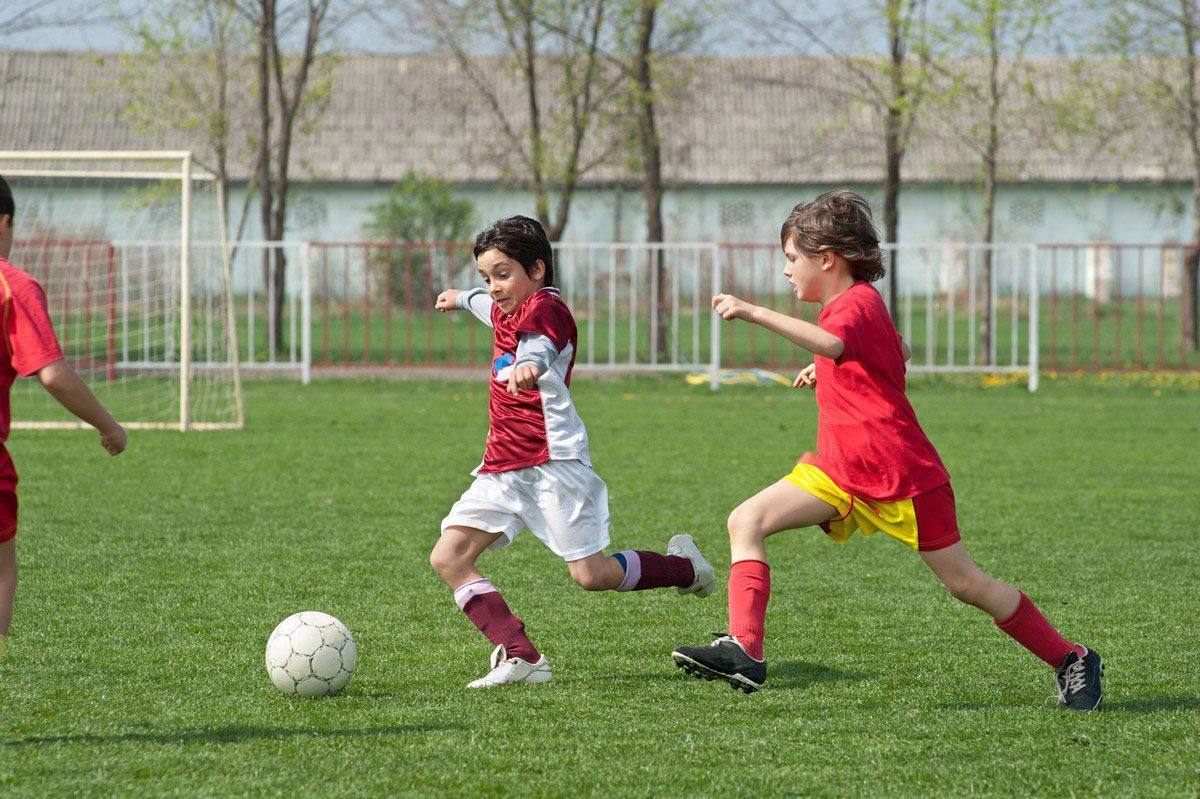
{"x": 502, "y": 366}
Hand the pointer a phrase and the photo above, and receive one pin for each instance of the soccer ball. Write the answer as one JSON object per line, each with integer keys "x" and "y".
{"x": 311, "y": 654}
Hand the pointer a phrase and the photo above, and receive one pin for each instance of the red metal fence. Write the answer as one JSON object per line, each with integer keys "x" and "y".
{"x": 79, "y": 278}
{"x": 1127, "y": 303}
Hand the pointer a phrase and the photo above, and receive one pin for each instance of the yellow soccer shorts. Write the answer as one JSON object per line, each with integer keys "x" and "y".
{"x": 925, "y": 522}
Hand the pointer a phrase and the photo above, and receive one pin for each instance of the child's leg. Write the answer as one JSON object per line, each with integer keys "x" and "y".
{"x": 8, "y": 587}
{"x": 1012, "y": 610}
{"x": 633, "y": 570}
{"x": 778, "y": 507}
{"x": 598, "y": 572}
{"x": 453, "y": 558}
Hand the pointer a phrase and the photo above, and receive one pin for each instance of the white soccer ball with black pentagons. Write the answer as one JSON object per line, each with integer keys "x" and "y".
{"x": 311, "y": 654}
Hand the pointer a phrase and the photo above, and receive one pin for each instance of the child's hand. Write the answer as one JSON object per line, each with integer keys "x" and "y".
{"x": 807, "y": 377}
{"x": 730, "y": 307}
{"x": 114, "y": 440}
{"x": 523, "y": 376}
{"x": 447, "y": 300}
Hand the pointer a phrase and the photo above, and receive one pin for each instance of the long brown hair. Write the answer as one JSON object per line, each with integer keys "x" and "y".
{"x": 838, "y": 221}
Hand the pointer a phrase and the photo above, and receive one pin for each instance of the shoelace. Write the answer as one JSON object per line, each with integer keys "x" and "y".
{"x": 1073, "y": 681}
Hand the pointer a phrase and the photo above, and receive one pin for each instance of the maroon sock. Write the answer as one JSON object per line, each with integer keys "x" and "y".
{"x": 653, "y": 570}
{"x": 1031, "y": 630}
{"x": 749, "y": 590}
{"x": 488, "y": 611}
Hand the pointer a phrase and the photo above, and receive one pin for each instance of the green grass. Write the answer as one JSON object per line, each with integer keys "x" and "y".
{"x": 151, "y": 581}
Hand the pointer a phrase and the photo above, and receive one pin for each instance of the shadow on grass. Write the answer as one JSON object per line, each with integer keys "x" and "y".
{"x": 787, "y": 675}
{"x": 794, "y": 674}
{"x": 227, "y": 735}
{"x": 1155, "y": 704}
{"x": 641, "y": 677}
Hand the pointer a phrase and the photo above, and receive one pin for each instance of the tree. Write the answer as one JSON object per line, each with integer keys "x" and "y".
{"x": 894, "y": 86}
{"x": 22, "y": 16}
{"x": 990, "y": 39}
{"x": 554, "y": 50}
{"x": 179, "y": 80}
{"x": 417, "y": 209}
{"x": 293, "y": 87}
{"x": 641, "y": 44}
{"x": 1158, "y": 42}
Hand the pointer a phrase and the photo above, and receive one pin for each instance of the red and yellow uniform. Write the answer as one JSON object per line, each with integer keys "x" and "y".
{"x": 29, "y": 345}
{"x": 873, "y": 462}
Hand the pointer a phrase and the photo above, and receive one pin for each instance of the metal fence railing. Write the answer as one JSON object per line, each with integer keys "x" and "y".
{"x": 1001, "y": 307}
{"x": 638, "y": 307}
{"x": 1116, "y": 306}
{"x": 960, "y": 307}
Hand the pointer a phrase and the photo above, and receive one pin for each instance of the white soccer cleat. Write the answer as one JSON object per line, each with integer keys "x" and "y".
{"x": 511, "y": 671}
{"x": 684, "y": 546}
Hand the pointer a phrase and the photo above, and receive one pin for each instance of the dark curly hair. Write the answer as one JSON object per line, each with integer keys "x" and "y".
{"x": 839, "y": 221}
{"x": 520, "y": 238}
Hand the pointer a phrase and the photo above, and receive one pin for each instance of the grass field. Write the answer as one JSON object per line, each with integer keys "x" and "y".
{"x": 151, "y": 581}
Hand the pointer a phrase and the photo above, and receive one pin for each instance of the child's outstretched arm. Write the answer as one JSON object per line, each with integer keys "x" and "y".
{"x": 475, "y": 300}
{"x": 801, "y": 333}
{"x": 72, "y": 393}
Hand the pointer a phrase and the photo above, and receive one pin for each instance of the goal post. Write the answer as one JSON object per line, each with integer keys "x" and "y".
{"x": 132, "y": 250}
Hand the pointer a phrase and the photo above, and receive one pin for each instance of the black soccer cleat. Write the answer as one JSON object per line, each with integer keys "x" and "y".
{"x": 723, "y": 659}
{"x": 1078, "y": 680}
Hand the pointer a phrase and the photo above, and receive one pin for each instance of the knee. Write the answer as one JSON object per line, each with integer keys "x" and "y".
{"x": 590, "y": 579}
{"x": 967, "y": 587}
{"x": 442, "y": 558}
{"x": 744, "y": 524}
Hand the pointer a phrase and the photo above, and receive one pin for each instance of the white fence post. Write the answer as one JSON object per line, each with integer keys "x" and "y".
{"x": 306, "y": 313}
{"x": 714, "y": 378}
{"x": 1034, "y": 301}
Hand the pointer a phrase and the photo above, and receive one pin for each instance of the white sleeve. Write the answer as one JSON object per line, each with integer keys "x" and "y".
{"x": 478, "y": 303}
{"x": 536, "y": 349}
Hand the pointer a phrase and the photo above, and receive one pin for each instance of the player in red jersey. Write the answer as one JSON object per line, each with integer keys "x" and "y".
{"x": 30, "y": 348}
{"x": 874, "y": 469}
{"x": 536, "y": 471}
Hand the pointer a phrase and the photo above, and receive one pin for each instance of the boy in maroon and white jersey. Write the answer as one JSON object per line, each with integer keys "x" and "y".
{"x": 536, "y": 471}
{"x": 30, "y": 348}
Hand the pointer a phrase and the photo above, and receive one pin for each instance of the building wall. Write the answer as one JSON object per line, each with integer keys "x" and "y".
{"x": 1041, "y": 213}
{"x": 939, "y": 212}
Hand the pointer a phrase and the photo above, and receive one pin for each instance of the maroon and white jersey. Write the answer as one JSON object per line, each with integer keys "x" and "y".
{"x": 539, "y": 424}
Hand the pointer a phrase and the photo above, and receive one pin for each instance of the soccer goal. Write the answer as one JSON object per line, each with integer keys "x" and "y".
{"x": 132, "y": 251}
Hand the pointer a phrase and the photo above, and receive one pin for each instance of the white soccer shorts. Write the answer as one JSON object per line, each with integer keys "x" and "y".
{"x": 563, "y": 503}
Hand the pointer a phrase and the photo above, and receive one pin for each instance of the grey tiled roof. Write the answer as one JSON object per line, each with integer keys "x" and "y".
{"x": 737, "y": 120}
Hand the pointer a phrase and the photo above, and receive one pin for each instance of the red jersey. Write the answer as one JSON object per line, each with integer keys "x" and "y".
{"x": 541, "y": 423}
{"x": 29, "y": 340}
{"x": 868, "y": 438}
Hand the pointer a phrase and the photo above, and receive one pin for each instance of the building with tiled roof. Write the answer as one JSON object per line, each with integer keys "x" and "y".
{"x": 743, "y": 140}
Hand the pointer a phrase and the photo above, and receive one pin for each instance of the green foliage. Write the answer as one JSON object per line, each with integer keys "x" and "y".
{"x": 150, "y": 582}
{"x": 178, "y": 78}
{"x": 417, "y": 210}
{"x": 421, "y": 209}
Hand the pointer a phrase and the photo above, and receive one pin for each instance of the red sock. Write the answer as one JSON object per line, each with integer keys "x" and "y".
{"x": 488, "y": 611}
{"x": 653, "y": 570}
{"x": 1030, "y": 629}
{"x": 749, "y": 590}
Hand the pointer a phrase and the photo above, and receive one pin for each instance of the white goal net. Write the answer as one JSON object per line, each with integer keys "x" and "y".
{"x": 131, "y": 250}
